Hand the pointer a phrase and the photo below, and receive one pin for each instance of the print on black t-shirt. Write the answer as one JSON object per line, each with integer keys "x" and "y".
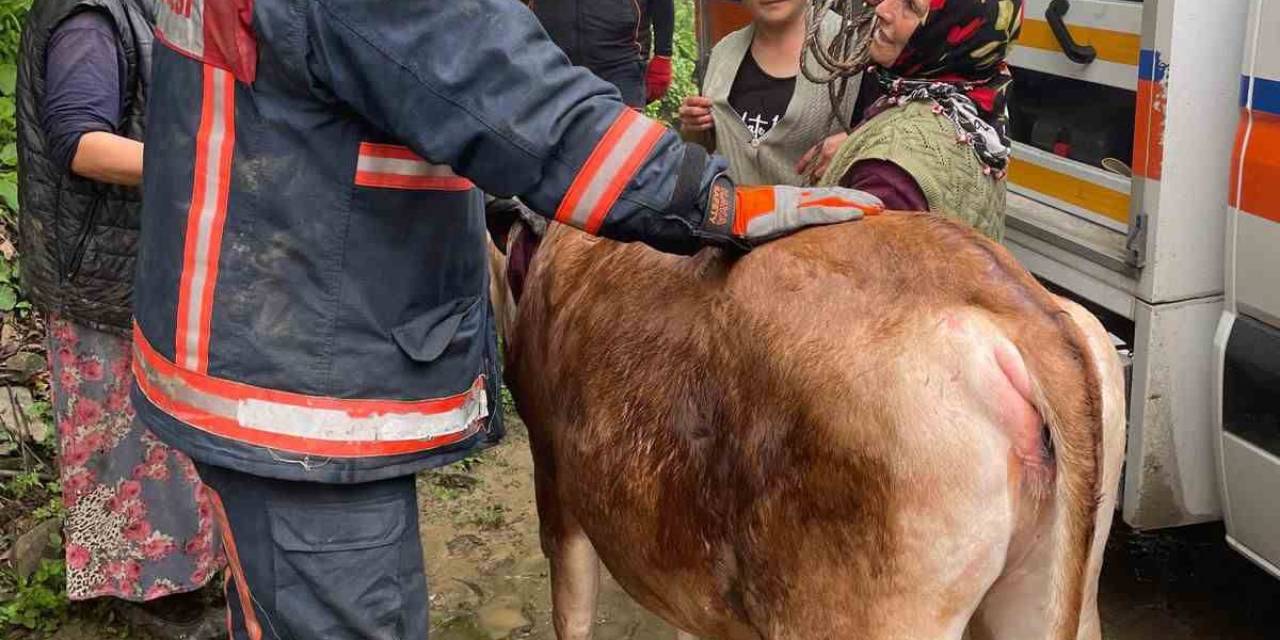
{"x": 759, "y": 98}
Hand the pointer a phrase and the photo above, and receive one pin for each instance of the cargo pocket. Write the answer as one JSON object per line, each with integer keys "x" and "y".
{"x": 427, "y": 336}
{"x": 337, "y": 569}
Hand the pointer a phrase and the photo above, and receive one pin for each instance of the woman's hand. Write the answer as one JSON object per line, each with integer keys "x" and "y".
{"x": 815, "y": 161}
{"x": 695, "y": 114}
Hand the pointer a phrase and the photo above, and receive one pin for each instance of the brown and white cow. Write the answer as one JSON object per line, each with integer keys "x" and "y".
{"x": 879, "y": 430}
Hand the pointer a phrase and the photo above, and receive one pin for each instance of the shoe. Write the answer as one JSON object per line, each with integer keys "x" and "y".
{"x": 184, "y": 616}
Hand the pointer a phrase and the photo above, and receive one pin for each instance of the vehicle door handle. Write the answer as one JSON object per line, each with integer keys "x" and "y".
{"x": 1076, "y": 52}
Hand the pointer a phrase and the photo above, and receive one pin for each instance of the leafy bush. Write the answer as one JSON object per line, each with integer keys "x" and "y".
{"x": 11, "y": 15}
{"x": 40, "y": 601}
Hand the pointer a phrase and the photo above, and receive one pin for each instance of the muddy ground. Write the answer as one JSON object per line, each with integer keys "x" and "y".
{"x": 489, "y": 581}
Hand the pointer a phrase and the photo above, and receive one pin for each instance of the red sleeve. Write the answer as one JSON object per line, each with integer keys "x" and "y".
{"x": 887, "y": 181}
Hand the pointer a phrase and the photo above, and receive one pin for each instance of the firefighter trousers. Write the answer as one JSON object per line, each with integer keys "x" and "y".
{"x": 309, "y": 560}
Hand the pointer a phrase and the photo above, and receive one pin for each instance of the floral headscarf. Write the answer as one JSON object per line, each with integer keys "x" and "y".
{"x": 956, "y": 59}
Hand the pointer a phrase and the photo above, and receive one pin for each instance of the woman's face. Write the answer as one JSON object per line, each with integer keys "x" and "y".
{"x": 898, "y": 20}
{"x": 775, "y": 12}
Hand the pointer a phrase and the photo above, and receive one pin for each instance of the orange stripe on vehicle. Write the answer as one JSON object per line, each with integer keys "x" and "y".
{"x": 1113, "y": 46}
{"x": 1081, "y": 193}
{"x": 1148, "y": 131}
{"x": 1259, "y": 190}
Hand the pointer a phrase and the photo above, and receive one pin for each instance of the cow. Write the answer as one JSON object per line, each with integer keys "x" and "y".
{"x": 885, "y": 429}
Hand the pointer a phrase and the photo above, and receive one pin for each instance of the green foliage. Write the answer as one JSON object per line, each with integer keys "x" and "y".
{"x": 53, "y": 508}
{"x": 470, "y": 463}
{"x": 9, "y": 285}
{"x": 684, "y": 59}
{"x": 22, "y": 484}
{"x": 490, "y": 518}
{"x": 11, "y": 15}
{"x": 39, "y": 602}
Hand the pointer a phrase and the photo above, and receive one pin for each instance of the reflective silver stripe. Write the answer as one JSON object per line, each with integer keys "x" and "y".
{"x": 200, "y": 285}
{"x": 397, "y": 166}
{"x": 594, "y": 191}
{"x": 299, "y": 421}
{"x": 185, "y": 32}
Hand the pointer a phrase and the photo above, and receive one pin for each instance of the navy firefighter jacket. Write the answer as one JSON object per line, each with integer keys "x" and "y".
{"x": 312, "y": 285}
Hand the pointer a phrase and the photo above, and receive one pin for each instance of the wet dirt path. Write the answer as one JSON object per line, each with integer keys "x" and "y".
{"x": 489, "y": 581}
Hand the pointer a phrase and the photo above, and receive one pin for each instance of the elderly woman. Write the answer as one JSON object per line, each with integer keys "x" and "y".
{"x": 757, "y": 108}
{"x": 931, "y": 134}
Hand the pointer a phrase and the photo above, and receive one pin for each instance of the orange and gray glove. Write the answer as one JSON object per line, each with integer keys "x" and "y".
{"x": 657, "y": 79}
{"x": 749, "y": 216}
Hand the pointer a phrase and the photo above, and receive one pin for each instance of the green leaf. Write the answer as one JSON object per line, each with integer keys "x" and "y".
{"x": 8, "y": 78}
{"x": 8, "y": 297}
{"x": 6, "y": 108}
{"x": 9, "y": 190}
{"x": 6, "y": 271}
{"x": 9, "y": 155}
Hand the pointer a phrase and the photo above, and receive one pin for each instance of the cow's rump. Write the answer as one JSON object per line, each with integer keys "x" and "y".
{"x": 748, "y": 438}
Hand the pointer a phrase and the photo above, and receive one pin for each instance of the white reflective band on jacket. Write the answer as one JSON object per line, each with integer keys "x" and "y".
{"x": 306, "y": 424}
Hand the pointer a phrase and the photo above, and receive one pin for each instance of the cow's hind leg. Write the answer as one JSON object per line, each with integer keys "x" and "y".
{"x": 575, "y": 582}
{"x": 575, "y": 567}
{"x": 1015, "y": 607}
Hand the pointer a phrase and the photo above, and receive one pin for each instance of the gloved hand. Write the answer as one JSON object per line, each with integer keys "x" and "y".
{"x": 658, "y": 78}
{"x": 749, "y": 216}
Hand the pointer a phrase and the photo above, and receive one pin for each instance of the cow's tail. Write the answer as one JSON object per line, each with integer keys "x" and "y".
{"x": 1072, "y": 410}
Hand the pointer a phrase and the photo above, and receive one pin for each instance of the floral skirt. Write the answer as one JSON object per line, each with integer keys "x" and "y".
{"x": 139, "y": 524}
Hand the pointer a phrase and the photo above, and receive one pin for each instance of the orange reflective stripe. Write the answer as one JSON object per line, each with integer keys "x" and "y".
{"x": 237, "y": 572}
{"x": 608, "y": 169}
{"x": 306, "y": 424}
{"x": 206, "y": 216}
{"x": 392, "y": 166}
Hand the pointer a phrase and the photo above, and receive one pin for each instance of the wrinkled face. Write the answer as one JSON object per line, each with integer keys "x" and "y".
{"x": 898, "y": 20}
{"x": 775, "y": 12}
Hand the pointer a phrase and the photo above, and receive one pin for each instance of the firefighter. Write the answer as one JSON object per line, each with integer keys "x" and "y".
{"x": 312, "y": 323}
{"x": 612, "y": 37}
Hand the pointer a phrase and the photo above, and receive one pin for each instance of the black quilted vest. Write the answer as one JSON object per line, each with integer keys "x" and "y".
{"x": 78, "y": 238}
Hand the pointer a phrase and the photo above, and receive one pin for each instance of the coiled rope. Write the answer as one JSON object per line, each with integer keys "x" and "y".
{"x": 848, "y": 52}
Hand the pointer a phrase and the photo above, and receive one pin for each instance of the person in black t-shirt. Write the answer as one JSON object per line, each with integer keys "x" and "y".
{"x": 759, "y": 98}
{"x": 753, "y": 77}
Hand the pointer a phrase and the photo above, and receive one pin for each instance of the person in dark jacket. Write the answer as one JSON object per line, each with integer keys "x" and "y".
{"x": 138, "y": 526}
{"x": 612, "y": 38}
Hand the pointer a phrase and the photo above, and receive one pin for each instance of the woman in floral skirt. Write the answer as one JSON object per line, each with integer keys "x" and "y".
{"x": 138, "y": 522}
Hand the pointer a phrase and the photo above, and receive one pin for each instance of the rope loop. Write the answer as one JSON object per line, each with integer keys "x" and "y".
{"x": 848, "y": 52}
